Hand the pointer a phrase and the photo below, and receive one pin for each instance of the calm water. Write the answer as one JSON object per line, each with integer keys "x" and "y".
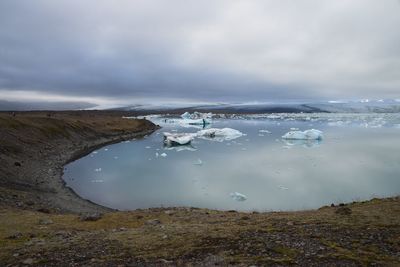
{"x": 359, "y": 158}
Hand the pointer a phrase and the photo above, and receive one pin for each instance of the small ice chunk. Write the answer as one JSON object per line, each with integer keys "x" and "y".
{"x": 97, "y": 170}
{"x": 199, "y": 162}
{"x": 172, "y": 139}
{"x": 105, "y": 149}
{"x": 97, "y": 181}
{"x": 180, "y": 148}
{"x": 238, "y": 196}
{"x": 148, "y": 147}
{"x": 264, "y": 131}
{"x": 115, "y": 157}
{"x": 157, "y": 154}
{"x": 163, "y": 155}
{"x": 311, "y": 134}
{"x": 283, "y": 187}
{"x": 95, "y": 152}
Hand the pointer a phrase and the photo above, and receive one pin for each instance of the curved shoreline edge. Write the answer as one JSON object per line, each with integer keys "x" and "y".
{"x": 36, "y": 146}
{"x": 80, "y": 153}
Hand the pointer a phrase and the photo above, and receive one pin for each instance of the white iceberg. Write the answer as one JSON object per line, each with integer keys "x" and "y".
{"x": 311, "y": 134}
{"x": 220, "y": 135}
{"x": 196, "y": 118}
{"x": 238, "y": 196}
{"x": 171, "y": 139}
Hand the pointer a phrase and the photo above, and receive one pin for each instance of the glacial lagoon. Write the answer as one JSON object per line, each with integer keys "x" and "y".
{"x": 357, "y": 159}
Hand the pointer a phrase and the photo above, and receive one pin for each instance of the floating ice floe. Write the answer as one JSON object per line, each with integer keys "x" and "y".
{"x": 180, "y": 148}
{"x": 302, "y": 142}
{"x": 199, "y": 162}
{"x": 196, "y": 118}
{"x": 216, "y": 134}
{"x": 264, "y": 131}
{"x": 163, "y": 155}
{"x": 196, "y": 115}
{"x": 97, "y": 170}
{"x": 311, "y": 134}
{"x": 172, "y": 139}
{"x": 238, "y": 196}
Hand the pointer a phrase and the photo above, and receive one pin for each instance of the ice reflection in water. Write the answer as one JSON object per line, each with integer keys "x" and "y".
{"x": 352, "y": 162}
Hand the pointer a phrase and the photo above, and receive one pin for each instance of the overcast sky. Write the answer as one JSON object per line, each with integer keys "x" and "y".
{"x": 132, "y": 51}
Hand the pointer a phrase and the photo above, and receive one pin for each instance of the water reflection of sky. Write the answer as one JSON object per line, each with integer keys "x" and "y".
{"x": 351, "y": 163}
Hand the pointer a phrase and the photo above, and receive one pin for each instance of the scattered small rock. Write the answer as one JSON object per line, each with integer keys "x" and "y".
{"x": 43, "y": 210}
{"x": 153, "y": 222}
{"x": 343, "y": 211}
{"x": 28, "y": 261}
{"x": 245, "y": 218}
{"x": 15, "y": 235}
{"x": 18, "y": 164}
{"x": 341, "y": 204}
{"x": 45, "y": 221}
{"x": 169, "y": 212}
{"x": 332, "y": 205}
{"x": 30, "y": 203}
{"x": 91, "y": 217}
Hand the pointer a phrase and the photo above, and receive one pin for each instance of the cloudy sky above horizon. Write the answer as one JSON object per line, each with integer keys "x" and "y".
{"x": 233, "y": 51}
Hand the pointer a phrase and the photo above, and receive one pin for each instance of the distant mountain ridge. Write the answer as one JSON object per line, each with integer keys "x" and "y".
{"x": 363, "y": 106}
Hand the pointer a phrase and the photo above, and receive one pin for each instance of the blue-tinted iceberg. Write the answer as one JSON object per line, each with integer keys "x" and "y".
{"x": 238, "y": 196}
{"x": 311, "y": 134}
{"x": 172, "y": 139}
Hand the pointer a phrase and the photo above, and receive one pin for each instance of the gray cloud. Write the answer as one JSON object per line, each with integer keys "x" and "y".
{"x": 206, "y": 50}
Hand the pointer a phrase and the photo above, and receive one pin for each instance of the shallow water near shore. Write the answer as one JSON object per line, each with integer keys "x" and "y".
{"x": 358, "y": 159}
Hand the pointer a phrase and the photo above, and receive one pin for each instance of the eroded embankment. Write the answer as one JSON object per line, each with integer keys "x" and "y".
{"x": 35, "y": 146}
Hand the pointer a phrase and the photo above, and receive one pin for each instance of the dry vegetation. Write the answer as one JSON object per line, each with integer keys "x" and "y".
{"x": 179, "y": 236}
